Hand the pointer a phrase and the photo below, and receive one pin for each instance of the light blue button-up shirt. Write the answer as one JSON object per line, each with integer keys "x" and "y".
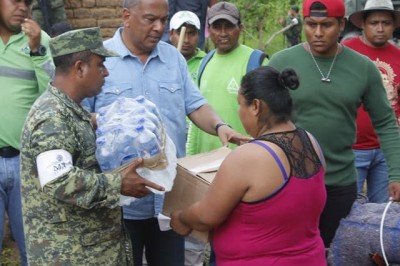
{"x": 165, "y": 80}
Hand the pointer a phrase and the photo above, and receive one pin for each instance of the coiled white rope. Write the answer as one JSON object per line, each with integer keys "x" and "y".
{"x": 381, "y": 230}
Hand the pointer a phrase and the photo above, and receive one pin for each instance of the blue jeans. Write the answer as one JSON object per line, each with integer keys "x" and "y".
{"x": 10, "y": 202}
{"x": 162, "y": 248}
{"x": 371, "y": 167}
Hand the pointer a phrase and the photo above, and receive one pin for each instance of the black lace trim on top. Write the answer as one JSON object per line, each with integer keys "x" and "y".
{"x": 303, "y": 159}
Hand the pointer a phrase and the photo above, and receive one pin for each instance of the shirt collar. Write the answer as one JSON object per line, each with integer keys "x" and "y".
{"x": 121, "y": 48}
{"x": 15, "y": 37}
{"x": 65, "y": 99}
{"x": 199, "y": 53}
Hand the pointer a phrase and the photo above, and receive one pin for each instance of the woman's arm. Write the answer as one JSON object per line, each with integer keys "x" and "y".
{"x": 226, "y": 190}
{"x": 249, "y": 173}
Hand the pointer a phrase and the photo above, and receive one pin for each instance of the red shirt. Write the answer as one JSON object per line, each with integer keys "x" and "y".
{"x": 387, "y": 60}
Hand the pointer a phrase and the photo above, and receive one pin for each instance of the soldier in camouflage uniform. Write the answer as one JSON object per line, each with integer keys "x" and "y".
{"x": 293, "y": 35}
{"x": 48, "y": 12}
{"x": 70, "y": 209}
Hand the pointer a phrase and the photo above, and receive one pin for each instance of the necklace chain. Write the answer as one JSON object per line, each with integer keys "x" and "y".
{"x": 324, "y": 78}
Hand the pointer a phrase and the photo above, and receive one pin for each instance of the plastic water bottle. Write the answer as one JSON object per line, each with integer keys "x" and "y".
{"x": 148, "y": 124}
{"x": 103, "y": 154}
{"x": 127, "y": 147}
{"x": 142, "y": 112}
{"x": 147, "y": 143}
{"x": 147, "y": 104}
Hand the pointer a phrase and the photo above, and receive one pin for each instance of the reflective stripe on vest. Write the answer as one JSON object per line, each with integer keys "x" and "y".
{"x": 10, "y": 72}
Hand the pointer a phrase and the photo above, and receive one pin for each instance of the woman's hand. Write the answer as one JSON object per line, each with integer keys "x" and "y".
{"x": 178, "y": 226}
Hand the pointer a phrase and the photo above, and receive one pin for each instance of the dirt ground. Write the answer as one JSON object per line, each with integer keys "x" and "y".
{"x": 9, "y": 255}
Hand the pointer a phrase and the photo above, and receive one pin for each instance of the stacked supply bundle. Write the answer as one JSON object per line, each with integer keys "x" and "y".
{"x": 358, "y": 235}
{"x": 129, "y": 129}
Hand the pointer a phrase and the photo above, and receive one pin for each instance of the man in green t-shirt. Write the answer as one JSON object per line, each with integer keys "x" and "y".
{"x": 194, "y": 249}
{"x": 334, "y": 81}
{"x": 26, "y": 67}
{"x": 190, "y": 51}
{"x": 220, "y": 79}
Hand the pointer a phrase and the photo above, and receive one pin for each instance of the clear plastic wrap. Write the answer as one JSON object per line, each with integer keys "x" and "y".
{"x": 132, "y": 128}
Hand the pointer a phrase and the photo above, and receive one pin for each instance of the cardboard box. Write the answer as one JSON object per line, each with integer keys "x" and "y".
{"x": 194, "y": 175}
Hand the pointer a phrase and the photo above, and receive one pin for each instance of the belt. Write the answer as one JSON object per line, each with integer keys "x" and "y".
{"x": 8, "y": 152}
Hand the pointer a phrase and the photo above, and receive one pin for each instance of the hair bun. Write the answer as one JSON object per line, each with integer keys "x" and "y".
{"x": 289, "y": 79}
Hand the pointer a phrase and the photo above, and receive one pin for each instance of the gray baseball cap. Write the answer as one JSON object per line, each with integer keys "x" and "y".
{"x": 224, "y": 10}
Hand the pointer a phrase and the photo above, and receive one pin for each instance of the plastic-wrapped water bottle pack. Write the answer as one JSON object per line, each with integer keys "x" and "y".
{"x": 131, "y": 128}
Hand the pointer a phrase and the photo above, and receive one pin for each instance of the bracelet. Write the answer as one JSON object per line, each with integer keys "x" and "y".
{"x": 220, "y": 124}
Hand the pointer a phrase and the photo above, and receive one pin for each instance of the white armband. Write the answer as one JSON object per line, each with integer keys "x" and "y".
{"x": 53, "y": 164}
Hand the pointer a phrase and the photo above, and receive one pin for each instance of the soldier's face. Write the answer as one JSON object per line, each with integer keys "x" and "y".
{"x": 95, "y": 74}
{"x": 12, "y": 15}
{"x": 144, "y": 25}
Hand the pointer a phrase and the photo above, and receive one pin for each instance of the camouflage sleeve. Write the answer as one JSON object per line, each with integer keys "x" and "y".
{"x": 43, "y": 65}
{"x": 81, "y": 187}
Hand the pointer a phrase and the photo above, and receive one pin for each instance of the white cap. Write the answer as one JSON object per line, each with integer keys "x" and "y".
{"x": 183, "y": 17}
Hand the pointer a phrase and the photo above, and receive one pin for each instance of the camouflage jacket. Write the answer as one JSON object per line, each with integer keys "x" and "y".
{"x": 74, "y": 219}
{"x": 294, "y": 31}
{"x": 55, "y": 13}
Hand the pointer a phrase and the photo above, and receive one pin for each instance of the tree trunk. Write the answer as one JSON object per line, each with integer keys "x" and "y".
{"x": 260, "y": 28}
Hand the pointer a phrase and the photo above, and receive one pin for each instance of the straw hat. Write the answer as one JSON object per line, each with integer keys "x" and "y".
{"x": 375, "y": 5}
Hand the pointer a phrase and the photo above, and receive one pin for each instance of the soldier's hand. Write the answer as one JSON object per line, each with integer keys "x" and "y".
{"x": 133, "y": 184}
{"x": 32, "y": 29}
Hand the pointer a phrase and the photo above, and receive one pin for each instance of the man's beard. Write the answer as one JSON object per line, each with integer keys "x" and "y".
{"x": 16, "y": 28}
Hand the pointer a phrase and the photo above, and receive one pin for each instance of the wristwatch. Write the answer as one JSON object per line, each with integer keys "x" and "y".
{"x": 41, "y": 51}
{"x": 220, "y": 124}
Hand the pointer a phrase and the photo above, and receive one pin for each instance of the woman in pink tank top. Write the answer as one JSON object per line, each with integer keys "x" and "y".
{"x": 266, "y": 199}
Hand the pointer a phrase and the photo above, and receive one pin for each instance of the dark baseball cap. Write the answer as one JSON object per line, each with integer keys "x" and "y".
{"x": 334, "y": 8}
{"x": 224, "y": 10}
{"x": 295, "y": 8}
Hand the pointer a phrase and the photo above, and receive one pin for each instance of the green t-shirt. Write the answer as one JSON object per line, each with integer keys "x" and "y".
{"x": 328, "y": 110}
{"x": 23, "y": 78}
{"x": 194, "y": 63}
{"x": 219, "y": 84}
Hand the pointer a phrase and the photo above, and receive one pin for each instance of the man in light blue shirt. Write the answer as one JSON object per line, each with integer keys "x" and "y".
{"x": 158, "y": 71}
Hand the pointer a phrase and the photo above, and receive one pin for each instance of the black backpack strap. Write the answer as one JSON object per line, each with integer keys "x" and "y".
{"x": 203, "y": 64}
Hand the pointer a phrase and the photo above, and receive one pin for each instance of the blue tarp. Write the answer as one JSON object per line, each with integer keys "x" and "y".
{"x": 358, "y": 235}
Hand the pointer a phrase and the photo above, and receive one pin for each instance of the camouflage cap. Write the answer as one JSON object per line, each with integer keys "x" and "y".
{"x": 75, "y": 41}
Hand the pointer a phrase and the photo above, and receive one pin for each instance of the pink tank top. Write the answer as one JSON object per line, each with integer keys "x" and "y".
{"x": 283, "y": 228}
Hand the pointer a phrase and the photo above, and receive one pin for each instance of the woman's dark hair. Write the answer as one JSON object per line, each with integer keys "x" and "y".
{"x": 268, "y": 85}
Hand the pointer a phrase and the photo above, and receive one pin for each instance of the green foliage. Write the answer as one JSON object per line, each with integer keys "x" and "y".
{"x": 261, "y": 20}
